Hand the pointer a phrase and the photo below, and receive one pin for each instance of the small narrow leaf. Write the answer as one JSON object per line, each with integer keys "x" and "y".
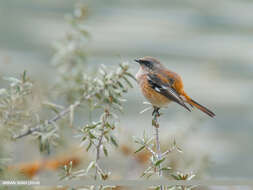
{"x": 105, "y": 151}
{"x": 88, "y": 147}
{"x": 174, "y": 142}
{"x": 147, "y": 171}
{"x": 166, "y": 169}
{"x": 24, "y": 76}
{"x": 12, "y": 79}
{"x": 153, "y": 122}
{"x": 84, "y": 138}
{"x": 179, "y": 150}
{"x": 138, "y": 140}
{"x": 108, "y": 125}
{"x": 120, "y": 84}
{"x": 91, "y": 135}
{"x": 91, "y": 165}
{"x": 146, "y": 109}
{"x": 191, "y": 177}
{"x": 52, "y": 106}
{"x": 114, "y": 142}
{"x": 159, "y": 162}
{"x": 175, "y": 176}
{"x": 138, "y": 150}
{"x": 130, "y": 75}
{"x": 128, "y": 82}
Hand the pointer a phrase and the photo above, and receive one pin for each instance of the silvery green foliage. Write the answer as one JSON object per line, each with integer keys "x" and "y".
{"x": 17, "y": 112}
{"x": 182, "y": 176}
{"x": 105, "y": 92}
{"x": 153, "y": 169}
{"x": 16, "y": 109}
{"x": 148, "y": 143}
{"x": 101, "y": 90}
{"x": 70, "y": 52}
{"x": 70, "y": 55}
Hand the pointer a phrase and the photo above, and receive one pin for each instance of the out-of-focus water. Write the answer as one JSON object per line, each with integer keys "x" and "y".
{"x": 210, "y": 43}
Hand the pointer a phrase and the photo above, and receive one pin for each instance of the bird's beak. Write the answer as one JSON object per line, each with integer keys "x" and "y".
{"x": 137, "y": 60}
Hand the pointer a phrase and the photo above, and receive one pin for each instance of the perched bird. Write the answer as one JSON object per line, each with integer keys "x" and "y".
{"x": 160, "y": 86}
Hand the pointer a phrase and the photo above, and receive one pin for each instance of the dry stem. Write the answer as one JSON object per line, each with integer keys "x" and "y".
{"x": 158, "y": 149}
{"x": 51, "y": 121}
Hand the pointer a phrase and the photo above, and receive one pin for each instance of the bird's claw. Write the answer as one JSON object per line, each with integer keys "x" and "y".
{"x": 156, "y": 111}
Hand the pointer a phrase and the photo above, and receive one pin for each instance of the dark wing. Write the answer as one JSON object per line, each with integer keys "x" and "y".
{"x": 165, "y": 89}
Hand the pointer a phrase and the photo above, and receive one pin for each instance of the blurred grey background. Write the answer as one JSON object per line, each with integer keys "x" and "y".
{"x": 210, "y": 43}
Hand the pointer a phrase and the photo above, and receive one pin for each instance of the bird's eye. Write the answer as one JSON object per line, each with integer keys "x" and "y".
{"x": 148, "y": 64}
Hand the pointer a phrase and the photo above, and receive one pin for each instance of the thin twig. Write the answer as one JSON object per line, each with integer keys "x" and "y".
{"x": 66, "y": 110}
{"x": 150, "y": 150}
{"x": 158, "y": 149}
{"x": 168, "y": 151}
{"x": 51, "y": 121}
{"x": 104, "y": 119}
{"x": 98, "y": 150}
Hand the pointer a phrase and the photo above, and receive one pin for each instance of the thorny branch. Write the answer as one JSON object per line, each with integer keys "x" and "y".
{"x": 168, "y": 151}
{"x": 100, "y": 141}
{"x": 98, "y": 147}
{"x": 118, "y": 76}
{"x": 158, "y": 149}
{"x": 150, "y": 150}
{"x": 50, "y": 121}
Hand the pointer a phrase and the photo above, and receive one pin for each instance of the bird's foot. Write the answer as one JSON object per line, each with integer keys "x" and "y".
{"x": 156, "y": 112}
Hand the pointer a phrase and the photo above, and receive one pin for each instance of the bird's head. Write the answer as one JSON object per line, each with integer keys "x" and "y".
{"x": 148, "y": 63}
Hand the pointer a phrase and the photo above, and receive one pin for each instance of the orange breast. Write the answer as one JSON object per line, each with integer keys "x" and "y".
{"x": 155, "y": 98}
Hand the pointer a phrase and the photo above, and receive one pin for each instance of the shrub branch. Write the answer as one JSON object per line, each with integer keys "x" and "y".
{"x": 50, "y": 121}
{"x": 158, "y": 149}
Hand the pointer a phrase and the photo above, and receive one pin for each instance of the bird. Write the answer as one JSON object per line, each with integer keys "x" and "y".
{"x": 161, "y": 86}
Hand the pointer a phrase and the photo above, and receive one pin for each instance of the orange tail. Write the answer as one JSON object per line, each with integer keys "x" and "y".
{"x": 200, "y": 107}
{"x": 197, "y": 105}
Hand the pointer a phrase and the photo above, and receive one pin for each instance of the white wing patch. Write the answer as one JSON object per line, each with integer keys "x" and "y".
{"x": 164, "y": 87}
{"x": 157, "y": 89}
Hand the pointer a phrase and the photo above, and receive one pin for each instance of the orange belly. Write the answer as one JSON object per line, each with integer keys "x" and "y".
{"x": 151, "y": 95}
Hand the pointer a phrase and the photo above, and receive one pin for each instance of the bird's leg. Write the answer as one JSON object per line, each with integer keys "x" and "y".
{"x": 156, "y": 112}
{"x": 155, "y": 115}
